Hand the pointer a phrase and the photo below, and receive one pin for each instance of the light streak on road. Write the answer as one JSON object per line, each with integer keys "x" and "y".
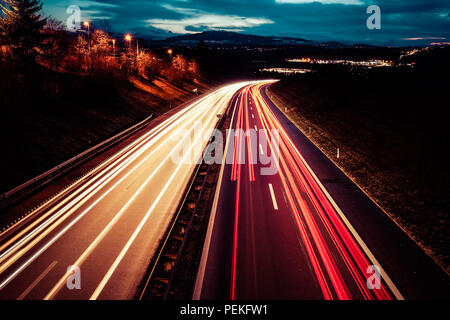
{"x": 110, "y": 222}
{"x": 348, "y": 247}
{"x": 295, "y": 178}
{"x": 321, "y": 234}
{"x": 272, "y": 195}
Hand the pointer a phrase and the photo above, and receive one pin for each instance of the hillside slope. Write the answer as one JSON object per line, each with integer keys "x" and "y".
{"x": 47, "y": 123}
{"x": 392, "y": 139}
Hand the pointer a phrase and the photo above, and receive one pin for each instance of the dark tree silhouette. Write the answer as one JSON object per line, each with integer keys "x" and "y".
{"x": 56, "y": 44}
{"x": 20, "y": 27}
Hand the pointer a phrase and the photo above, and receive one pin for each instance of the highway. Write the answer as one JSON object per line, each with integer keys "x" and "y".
{"x": 286, "y": 223}
{"x": 110, "y": 223}
{"x": 306, "y": 231}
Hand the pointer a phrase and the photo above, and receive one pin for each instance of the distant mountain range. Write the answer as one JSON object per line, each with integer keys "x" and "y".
{"x": 151, "y": 33}
{"x": 153, "y": 36}
{"x": 234, "y": 38}
{"x": 229, "y": 39}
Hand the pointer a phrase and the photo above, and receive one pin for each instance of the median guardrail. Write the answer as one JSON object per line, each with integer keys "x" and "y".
{"x": 43, "y": 179}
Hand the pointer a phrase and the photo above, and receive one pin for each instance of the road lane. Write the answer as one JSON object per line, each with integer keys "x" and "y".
{"x": 415, "y": 274}
{"x": 111, "y": 223}
{"x": 257, "y": 245}
{"x": 308, "y": 248}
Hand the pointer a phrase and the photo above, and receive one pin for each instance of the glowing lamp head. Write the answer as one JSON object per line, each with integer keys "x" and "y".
{"x": 86, "y": 24}
{"x": 169, "y": 51}
{"x": 128, "y": 37}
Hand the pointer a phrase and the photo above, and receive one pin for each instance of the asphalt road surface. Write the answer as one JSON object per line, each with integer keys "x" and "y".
{"x": 304, "y": 232}
{"x": 109, "y": 223}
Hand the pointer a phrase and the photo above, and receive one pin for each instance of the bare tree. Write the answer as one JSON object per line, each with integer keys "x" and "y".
{"x": 56, "y": 44}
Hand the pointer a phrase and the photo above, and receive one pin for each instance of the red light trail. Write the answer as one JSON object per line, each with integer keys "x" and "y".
{"x": 319, "y": 224}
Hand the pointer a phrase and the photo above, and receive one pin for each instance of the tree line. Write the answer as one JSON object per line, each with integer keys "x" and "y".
{"x": 28, "y": 39}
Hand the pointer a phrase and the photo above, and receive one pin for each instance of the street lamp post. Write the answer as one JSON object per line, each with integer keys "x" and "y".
{"x": 88, "y": 26}
{"x": 170, "y": 52}
{"x": 128, "y": 39}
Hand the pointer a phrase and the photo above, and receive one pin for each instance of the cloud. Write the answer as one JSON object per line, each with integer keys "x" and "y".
{"x": 322, "y": 20}
{"x": 90, "y": 9}
{"x": 194, "y": 20}
{"x": 207, "y": 22}
{"x": 183, "y": 11}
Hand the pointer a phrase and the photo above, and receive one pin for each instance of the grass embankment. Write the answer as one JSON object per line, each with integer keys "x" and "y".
{"x": 49, "y": 117}
{"x": 393, "y": 137}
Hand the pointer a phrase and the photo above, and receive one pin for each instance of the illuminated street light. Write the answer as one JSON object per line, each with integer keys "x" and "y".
{"x": 88, "y": 26}
{"x": 170, "y": 51}
{"x": 128, "y": 39}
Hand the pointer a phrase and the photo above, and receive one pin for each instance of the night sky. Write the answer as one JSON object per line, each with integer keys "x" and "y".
{"x": 403, "y": 22}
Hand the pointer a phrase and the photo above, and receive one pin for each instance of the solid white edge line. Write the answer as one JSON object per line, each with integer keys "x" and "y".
{"x": 272, "y": 194}
{"x": 360, "y": 241}
{"x": 205, "y": 253}
{"x": 135, "y": 234}
{"x": 102, "y": 168}
{"x": 98, "y": 186}
{"x": 355, "y": 234}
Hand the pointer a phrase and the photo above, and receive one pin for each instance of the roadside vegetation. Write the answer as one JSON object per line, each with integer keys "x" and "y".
{"x": 62, "y": 92}
{"x": 391, "y": 128}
